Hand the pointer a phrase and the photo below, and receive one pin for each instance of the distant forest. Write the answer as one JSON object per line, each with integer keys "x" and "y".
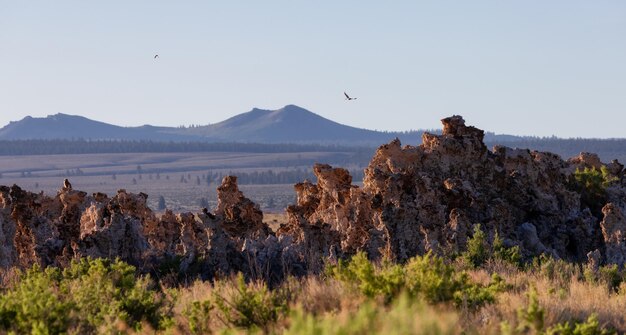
{"x": 607, "y": 149}
{"x": 273, "y": 177}
{"x": 58, "y": 147}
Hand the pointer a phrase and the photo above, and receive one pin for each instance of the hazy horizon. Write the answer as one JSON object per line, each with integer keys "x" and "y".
{"x": 532, "y": 69}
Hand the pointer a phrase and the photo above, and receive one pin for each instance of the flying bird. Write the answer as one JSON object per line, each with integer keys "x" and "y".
{"x": 66, "y": 184}
{"x": 156, "y": 56}
{"x": 348, "y": 97}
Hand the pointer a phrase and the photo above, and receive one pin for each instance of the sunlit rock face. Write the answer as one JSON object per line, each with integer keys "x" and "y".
{"x": 428, "y": 197}
{"x": 614, "y": 232}
{"x": 414, "y": 199}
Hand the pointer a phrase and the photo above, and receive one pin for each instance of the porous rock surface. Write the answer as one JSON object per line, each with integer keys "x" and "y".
{"x": 429, "y": 197}
{"x": 413, "y": 199}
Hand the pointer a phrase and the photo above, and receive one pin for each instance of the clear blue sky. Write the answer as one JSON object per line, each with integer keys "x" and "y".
{"x": 517, "y": 67}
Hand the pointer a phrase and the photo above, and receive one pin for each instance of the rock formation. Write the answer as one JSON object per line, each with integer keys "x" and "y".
{"x": 428, "y": 197}
{"x": 614, "y": 232}
{"x": 413, "y": 199}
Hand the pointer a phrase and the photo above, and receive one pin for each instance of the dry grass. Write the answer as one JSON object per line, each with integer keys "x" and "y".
{"x": 575, "y": 301}
{"x": 319, "y": 296}
{"x": 48, "y": 172}
{"x": 322, "y": 305}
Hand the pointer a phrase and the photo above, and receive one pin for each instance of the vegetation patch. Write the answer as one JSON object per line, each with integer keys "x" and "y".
{"x": 426, "y": 295}
{"x": 89, "y": 295}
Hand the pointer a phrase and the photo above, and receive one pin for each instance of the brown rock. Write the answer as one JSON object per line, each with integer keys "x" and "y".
{"x": 241, "y": 217}
{"x": 586, "y": 160}
{"x": 614, "y": 233}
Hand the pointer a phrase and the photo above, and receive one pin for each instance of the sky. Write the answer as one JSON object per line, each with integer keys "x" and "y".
{"x": 531, "y": 67}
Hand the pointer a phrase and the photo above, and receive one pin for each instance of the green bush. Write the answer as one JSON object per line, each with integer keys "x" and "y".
{"x": 431, "y": 278}
{"x": 33, "y": 306}
{"x": 589, "y": 327}
{"x": 88, "y": 295}
{"x": 479, "y": 251}
{"x": 426, "y": 277}
{"x": 250, "y": 307}
{"x": 385, "y": 280}
{"x": 556, "y": 270}
{"x": 609, "y": 275}
{"x": 592, "y": 184}
{"x": 532, "y": 318}
{"x": 477, "y": 248}
{"x": 473, "y": 295}
{"x": 511, "y": 255}
{"x": 403, "y": 316}
{"x": 198, "y": 315}
{"x": 590, "y": 179}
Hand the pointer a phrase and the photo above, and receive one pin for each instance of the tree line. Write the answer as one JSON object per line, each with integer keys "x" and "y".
{"x": 273, "y": 177}
{"x": 607, "y": 149}
{"x": 82, "y": 146}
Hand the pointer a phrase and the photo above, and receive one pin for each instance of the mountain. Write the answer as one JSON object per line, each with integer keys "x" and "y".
{"x": 290, "y": 124}
{"x": 293, "y": 124}
{"x": 63, "y": 126}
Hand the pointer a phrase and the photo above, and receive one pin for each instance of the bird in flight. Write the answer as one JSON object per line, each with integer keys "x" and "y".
{"x": 348, "y": 97}
{"x": 156, "y": 56}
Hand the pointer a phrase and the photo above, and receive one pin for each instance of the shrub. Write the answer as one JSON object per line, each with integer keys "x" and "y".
{"x": 529, "y": 318}
{"x": 386, "y": 280}
{"x": 249, "y": 306}
{"x": 105, "y": 290}
{"x": 511, "y": 255}
{"x": 609, "y": 275}
{"x": 479, "y": 251}
{"x": 403, "y": 316}
{"x": 590, "y": 179}
{"x": 556, "y": 270}
{"x": 473, "y": 295}
{"x": 33, "y": 305}
{"x": 427, "y": 277}
{"x": 589, "y": 327}
{"x": 533, "y": 316}
{"x": 592, "y": 183}
{"x": 477, "y": 248}
{"x": 198, "y": 315}
{"x": 89, "y": 294}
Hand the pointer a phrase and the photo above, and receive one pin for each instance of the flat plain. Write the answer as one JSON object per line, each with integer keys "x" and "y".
{"x": 185, "y": 180}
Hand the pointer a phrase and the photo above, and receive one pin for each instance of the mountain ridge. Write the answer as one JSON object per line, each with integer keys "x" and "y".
{"x": 65, "y": 126}
{"x": 289, "y": 124}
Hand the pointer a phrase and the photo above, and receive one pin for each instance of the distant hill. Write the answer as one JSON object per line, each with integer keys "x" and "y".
{"x": 293, "y": 124}
{"x": 290, "y": 124}
{"x": 63, "y": 126}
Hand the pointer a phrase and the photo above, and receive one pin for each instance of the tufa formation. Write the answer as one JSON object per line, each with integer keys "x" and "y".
{"x": 414, "y": 199}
